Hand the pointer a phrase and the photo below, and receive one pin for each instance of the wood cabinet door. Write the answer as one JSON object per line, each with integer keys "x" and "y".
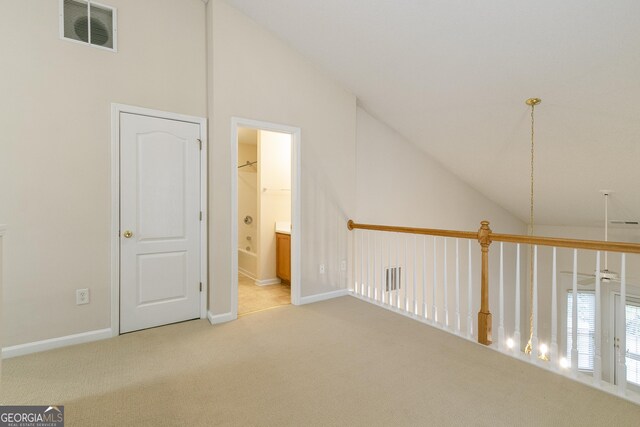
{"x": 283, "y": 256}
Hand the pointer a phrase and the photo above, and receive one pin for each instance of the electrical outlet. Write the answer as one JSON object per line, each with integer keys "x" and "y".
{"x": 343, "y": 265}
{"x": 82, "y": 296}
{"x": 322, "y": 269}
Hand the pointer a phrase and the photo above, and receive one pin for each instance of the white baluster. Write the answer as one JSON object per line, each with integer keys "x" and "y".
{"x": 371, "y": 284}
{"x": 392, "y": 267}
{"x": 415, "y": 250}
{"x": 357, "y": 261}
{"x": 380, "y": 238}
{"x": 554, "y": 313}
{"x": 388, "y": 272}
{"x": 376, "y": 293}
{"x": 501, "y": 341}
{"x": 434, "y": 309}
{"x": 469, "y": 296}
{"x": 398, "y": 273}
{"x": 368, "y": 258}
{"x": 362, "y": 263}
{"x": 534, "y": 339}
{"x": 354, "y": 260}
{"x": 516, "y": 333}
{"x": 354, "y": 264}
{"x": 424, "y": 277}
{"x": 457, "y": 287}
{"x": 622, "y": 329}
{"x": 574, "y": 317}
{"x": 597, "y": 362}
{"x": 405, "y": 262}
{"x": 444, "y": 280}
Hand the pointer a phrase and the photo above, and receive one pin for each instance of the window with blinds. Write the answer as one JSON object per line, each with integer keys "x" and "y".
{"x": 85, "y": 21}
{"x": 633, "y": 342}
{"x": 586, "y": 329}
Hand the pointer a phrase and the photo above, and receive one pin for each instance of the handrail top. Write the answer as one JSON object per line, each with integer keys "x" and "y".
{"x": 413, "y": 230}
{"x": 595, "y": 245}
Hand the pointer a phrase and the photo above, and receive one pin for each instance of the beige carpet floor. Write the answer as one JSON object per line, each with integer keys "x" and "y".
{"x": 341, "y": 362}
{"x": 252, "y": 298}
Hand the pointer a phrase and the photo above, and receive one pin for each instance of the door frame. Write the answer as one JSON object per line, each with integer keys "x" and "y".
{"x": 116, "y": 109}
{"x": 295, "y": 133}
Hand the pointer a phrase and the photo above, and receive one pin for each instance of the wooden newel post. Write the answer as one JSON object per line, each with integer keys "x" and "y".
{"x": 484, "y": 316}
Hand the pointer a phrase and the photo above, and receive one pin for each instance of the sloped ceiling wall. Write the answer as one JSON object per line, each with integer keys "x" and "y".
{"x": 452, "y": 77}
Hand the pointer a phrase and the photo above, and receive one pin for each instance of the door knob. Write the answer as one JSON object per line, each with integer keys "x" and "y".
{"x": 127, "y": 234}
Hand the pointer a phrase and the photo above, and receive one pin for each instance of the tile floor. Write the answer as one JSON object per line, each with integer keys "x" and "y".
{"x": 253, "y": 298}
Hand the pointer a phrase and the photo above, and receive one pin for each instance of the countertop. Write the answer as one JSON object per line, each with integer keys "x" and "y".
{"x": 283, "y": 227}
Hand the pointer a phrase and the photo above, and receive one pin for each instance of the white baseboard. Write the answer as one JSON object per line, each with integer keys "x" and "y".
{"x": 267, "y": 282}
{"x": 246, "y": 273}
{"x": 214, "y": 319}
{"x": 321, "y": 297}
{"x": 38, "y": 346}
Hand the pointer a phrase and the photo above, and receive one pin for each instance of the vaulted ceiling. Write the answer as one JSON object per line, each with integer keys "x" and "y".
{"x": 452, "y": 77}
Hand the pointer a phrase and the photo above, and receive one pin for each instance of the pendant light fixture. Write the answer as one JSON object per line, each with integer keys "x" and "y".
{"x": 532, "y": 102}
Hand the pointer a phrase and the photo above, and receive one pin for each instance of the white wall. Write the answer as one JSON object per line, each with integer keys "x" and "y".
{"x": 274, "y": 195}
{"x": 398, "y": 184}
{"x": 55, "y": 148}
{"x": 283, "y": 88}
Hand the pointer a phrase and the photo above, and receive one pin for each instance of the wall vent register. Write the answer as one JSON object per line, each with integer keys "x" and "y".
{"x": 87, "y": 22}
{"x": 393, "y": 278}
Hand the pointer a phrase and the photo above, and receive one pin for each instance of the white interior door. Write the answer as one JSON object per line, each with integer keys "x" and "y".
{"x": 159, "y": 221}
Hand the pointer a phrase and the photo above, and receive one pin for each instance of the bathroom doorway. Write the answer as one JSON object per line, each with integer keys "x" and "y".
{"x": 265, "y": 196}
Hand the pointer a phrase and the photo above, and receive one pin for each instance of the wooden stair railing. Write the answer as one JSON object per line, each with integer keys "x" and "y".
{"x": 485, "y": 237}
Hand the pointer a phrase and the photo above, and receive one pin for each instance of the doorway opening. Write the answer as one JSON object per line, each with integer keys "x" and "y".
{"x": 265, "y": 177}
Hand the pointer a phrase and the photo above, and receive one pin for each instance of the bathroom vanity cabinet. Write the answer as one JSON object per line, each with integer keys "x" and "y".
{"x": 283, "y": 257}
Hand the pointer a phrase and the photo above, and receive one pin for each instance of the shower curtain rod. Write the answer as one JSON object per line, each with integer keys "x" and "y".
{"x": 248, "y": 164}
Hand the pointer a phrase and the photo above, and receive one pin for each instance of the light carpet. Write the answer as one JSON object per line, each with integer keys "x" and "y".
{"x": 341, "y": 362}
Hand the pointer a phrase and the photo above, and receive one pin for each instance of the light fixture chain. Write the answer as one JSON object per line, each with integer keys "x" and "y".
{"x": 532, "y": 160}
{"x": 528, "y": 349}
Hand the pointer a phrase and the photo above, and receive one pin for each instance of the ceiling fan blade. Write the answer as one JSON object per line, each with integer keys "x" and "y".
{"x": 587, "y": 282}
{"x": 570, "y": 273}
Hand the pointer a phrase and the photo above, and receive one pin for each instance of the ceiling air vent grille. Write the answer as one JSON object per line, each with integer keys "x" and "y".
{"x": 87, "y": 22}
